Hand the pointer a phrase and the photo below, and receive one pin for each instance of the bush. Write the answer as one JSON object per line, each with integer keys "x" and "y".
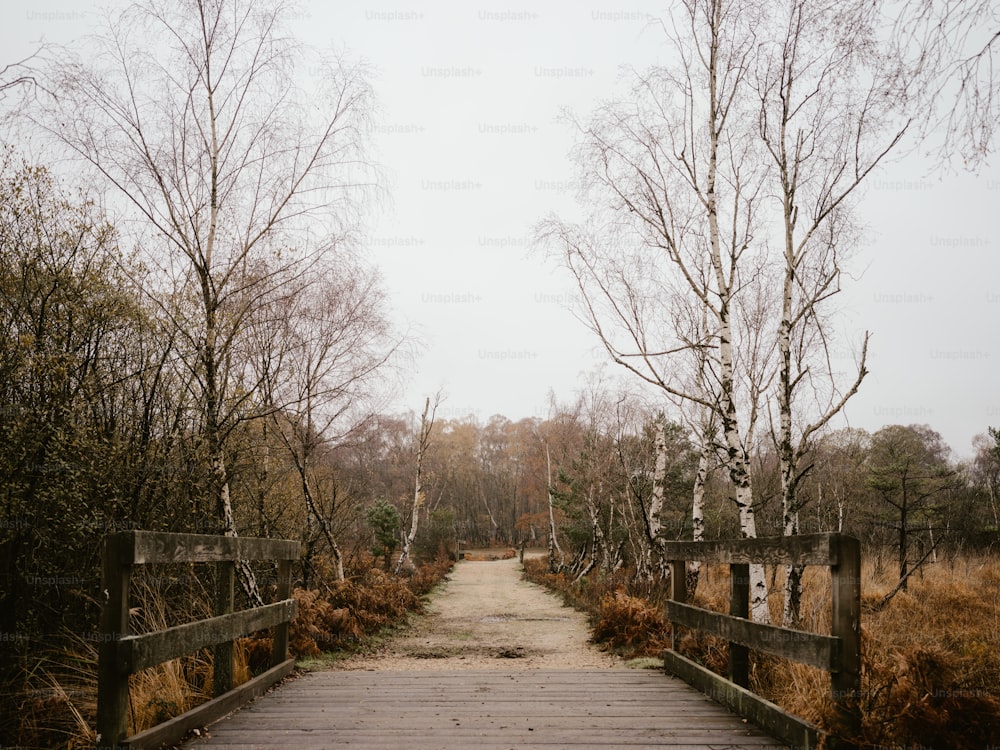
{"x": 631, "y": 626}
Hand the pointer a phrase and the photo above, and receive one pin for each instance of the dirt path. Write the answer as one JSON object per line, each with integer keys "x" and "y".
{"x": 486, "y": 617}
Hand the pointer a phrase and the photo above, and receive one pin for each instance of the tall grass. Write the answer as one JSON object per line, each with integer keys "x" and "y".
{"x": 931, "y": 656}
{"x": 57, "y": 693}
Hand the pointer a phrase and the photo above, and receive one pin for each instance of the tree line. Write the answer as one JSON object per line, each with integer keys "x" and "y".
{"x": 617, "y": 475}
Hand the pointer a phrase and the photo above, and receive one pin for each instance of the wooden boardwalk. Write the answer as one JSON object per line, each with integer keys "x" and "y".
{"x": 484, "y": 710}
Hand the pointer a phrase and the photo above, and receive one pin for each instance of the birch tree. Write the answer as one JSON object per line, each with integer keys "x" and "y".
{"x": 828, "y": 118}
{"x": 320, "y": 352}
{"x": 423, "y": 442}
{"x": 950, "y": 50}
{"x": 553, "y": 541}
{"x": 682, "y": 178}
{"x": 192, "y": 111}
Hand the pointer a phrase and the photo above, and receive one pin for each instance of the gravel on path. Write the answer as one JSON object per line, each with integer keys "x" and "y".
{"x": 485, "y": 616}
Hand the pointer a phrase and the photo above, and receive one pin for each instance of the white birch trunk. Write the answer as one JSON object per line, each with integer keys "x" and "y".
{"x": 652, "y": 513}
{"x": 418, "y": 490}
{"x": 738, "y": 471}
{"x": 248, "y": 581}
{"x": 736, "y": 452}
{"x": 698, "y": 510}
{"x": 553, "y": 540}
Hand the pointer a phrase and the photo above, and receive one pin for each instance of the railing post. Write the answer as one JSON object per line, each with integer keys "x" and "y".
{"x": 112, "y": 676}
{"x": 279, "y": 650}
{"x": 678, "y": 592}
{"x": 222, "y": 670}
{"x": 739, "y": 606}
{"x": 845, "y": 677}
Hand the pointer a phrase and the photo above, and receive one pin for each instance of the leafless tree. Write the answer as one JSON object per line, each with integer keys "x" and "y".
{"x": 18, "y": 75}
{"x": 828, "y": 118}
{"x": 321, "y": 352}
{"x": 194, "y": 112}
{"x": 950, "y": 47}
{"x": 682, "y": 177}
{"x": 423, "y": 442}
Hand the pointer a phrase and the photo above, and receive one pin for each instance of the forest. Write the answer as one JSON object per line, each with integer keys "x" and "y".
{"x": 193, "y": 340}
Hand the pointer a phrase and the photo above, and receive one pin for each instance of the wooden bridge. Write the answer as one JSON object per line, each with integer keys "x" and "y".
{"x": 382, "y": 708}
{"x": 484, "y": 710}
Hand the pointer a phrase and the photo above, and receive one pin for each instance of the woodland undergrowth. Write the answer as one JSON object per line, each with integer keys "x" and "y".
{"x": 931, "y": 656}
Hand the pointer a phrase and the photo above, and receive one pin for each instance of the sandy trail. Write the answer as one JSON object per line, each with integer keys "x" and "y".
{"x": 486, "y": 617}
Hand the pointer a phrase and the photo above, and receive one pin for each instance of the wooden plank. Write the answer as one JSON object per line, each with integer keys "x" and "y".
{"x": 139, "y": 652}
{"x": 815, "y": 650}
{"x": 279, "y": 649}
{"x": 485, "y": 710}
{"x": 172, "y": 731}
{"x": 845, "y": 681}
{"x": 678, "y": 592}
{"x": 799, "y": 734}
{"x": 112, "y": 685}
{"x": 807, "y": 549}
{"x": 223, "y": 654}
{"x": 739, "y": 606}
{"x": 148, "y": 547}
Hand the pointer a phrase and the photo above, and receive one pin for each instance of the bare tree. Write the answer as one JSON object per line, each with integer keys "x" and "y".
{"x": 19, "y": 76}
{"x": 193, "y": 112}
{"x": 828, "y": 118}
{"x": 320, "y": 353}
{"x": 950, "y": 47}
{"x": 683, "y": 179}
{"x": 553, "y": 542}
{"x": 423, "y": 442}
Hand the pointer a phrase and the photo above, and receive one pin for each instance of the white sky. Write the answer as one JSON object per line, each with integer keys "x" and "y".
{"x": 468, "y": 135}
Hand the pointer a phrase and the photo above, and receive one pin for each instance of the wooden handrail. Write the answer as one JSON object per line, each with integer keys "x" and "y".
{"x": 122, "y": 654}
{"x": 838, "y": 653}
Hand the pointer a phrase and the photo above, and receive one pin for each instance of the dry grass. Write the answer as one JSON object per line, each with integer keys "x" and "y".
{"x": 631, "y": 626}
{"x": 482, "y": 556}
{"x": 57, "y": 694}
{"x": 931, "y": 674}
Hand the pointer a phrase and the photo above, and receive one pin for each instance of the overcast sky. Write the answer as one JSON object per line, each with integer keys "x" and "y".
{"x": 468, "y": 134}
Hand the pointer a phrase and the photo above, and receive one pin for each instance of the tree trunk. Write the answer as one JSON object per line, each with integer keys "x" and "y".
{"x": 738, "y": 473}
{"x": 423, "y": 441}
{"x": 651, "y": 568}
{"x": 698, "y": 512}
{"x": 248, "y": 580}
{"x": 324, "y": 527}
{"x": 554, "y": 547}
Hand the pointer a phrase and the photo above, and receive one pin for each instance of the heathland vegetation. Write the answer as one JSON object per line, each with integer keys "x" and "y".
{"x": 191, "y": 340}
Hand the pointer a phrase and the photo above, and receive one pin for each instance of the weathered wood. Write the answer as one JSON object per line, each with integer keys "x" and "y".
{"x": 279, "y": 650}
{"x": 739, "y": 606}
{"x": 112, "y": 690}
{"x": 174, "y": 730}
{"x": 484, "y": 710}
{"x": 846, "y": 625}
{"x": 156, "y": 547}
{"x": 815, "y": 650}
{"x": 799, "y": 734}
{"x": 122, "y": 654}
{"x": 807, "y": 549}
{"x": 839, "y": 653}
{"x": 138, "y": 652}
{"x": 222, "y": 656}
{"x": 678, "y": 593}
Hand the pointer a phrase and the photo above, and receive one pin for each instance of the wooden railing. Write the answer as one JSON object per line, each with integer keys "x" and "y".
{"x": 838, "y": 653}
{"x": 122, "y": 654}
